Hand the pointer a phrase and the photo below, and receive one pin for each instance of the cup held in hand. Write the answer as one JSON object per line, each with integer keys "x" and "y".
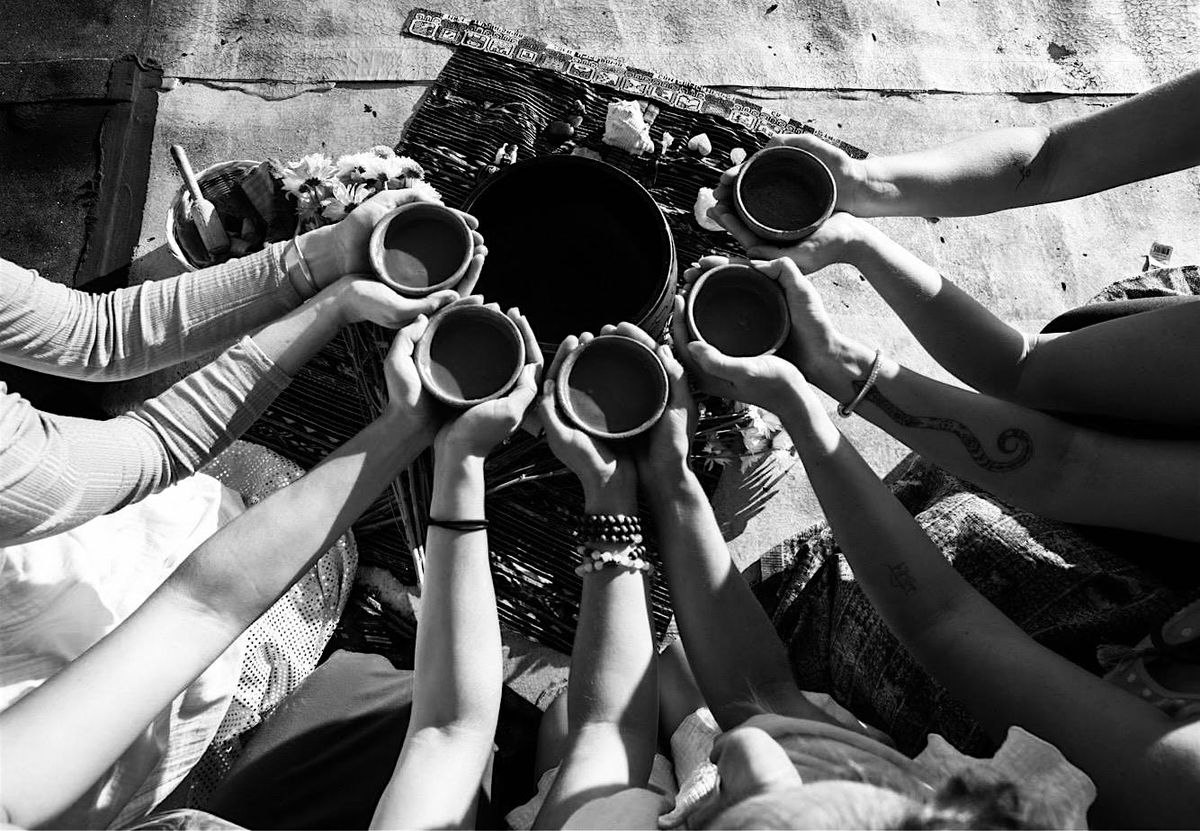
{"x": 739, "y": 311}
{"x": 612, "y": 387}
{"x": 783, "y": 194}
{"x": 420, "y": 248}
{"x": 470, "y": 354}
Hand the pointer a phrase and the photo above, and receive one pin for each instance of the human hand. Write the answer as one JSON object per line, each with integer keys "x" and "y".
{"x": 765, "y": 380}
{"x": 336, "y": 250}
{"x": 849, "y": 174}
{"x": 814, "y": 345}
{"x": 360, "y": 299}
{"x": 474, "y": 433}
{"x": 662, "y": 453}
{"x": 604, "y": 470}
{"x": 408, "y": 402}
{"x": 835, "y": 240}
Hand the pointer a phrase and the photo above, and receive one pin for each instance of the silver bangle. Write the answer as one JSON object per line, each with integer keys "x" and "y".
{"x": 845, "y": 410}
{"x": 305, "y": 271}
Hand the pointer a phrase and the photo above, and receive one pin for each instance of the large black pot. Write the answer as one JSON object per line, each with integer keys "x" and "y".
{"x": 575, "y": 243}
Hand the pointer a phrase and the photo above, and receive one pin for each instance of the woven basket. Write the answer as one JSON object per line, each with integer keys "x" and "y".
{"x": 218, "y": 183}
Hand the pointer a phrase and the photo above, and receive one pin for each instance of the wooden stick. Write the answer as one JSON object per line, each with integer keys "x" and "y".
{"x": 204, "y": 213}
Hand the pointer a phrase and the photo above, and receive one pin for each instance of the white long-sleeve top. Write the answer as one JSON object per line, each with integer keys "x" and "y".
{"x": 57, "y": 472}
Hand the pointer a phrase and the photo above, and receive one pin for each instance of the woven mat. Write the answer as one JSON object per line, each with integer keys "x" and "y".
{"x": 499, "y": 89}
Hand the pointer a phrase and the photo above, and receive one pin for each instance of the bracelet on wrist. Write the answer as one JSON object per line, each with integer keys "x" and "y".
{"x": 609, "y": 528}
{"x": 463, "y": 525}
{"x": 845, "y": 410}
{"x": 632, "y": 558}
{"x": 297, "y": 266}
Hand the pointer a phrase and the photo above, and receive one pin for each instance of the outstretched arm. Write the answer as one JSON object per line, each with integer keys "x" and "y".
{"x": 129, "y": 332}
{"x": 1017, "y": 166}
{"x": 612, "y": 694}
{"x": 106, "y": 697}
{"x": 458, "y": 673}
{"x": 739, "y": 662}
{"x": 1144, "y": 764}
{"x": 57, "y": 472}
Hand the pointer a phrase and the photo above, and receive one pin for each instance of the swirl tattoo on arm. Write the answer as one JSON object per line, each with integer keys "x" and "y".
{"x": 1013, "y": 442}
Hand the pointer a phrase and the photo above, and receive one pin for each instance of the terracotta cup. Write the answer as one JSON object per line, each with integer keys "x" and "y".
{"x": 612, "y": 387}
{"x": 783, "y": 194}
{"x": 470, "y": 354}
{"x": 420, "y": 248}
{"x": 739, "y": 311}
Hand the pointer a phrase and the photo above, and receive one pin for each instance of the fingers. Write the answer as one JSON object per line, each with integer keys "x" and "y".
{"x": 629, "y": 330}
{"x": 564, "y": 349}
{"x": 765, "y": 252}
{"x": 533, "y": 349}
{"x": 705, "y": 263}
{"x": 680, "y": 336}
{"x": 471, "y": 221}
{"x": 470, "y": 300}
{"x": 556, "y": 429}
{"x": 471, "y": 278}
{"x": 732, "y": 223}
{"x": 710, "y": 361}
{"x": 779, "y": 268}
{"x": 805, "y": 141}
{"x": 406, "y": 339}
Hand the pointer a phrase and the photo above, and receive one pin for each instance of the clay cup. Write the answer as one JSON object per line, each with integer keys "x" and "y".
{"x": 739, "y": 311}
{"x": 470, "y": 354}
{"x": 420, "y": 248}
{"x": 612, "y": 387}
{"x": 783, "y": 194}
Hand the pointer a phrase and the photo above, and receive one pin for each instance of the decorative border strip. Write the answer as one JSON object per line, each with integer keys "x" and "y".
{"x": 608, "y": 72}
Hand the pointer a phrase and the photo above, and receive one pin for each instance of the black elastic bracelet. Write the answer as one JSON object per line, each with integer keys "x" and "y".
{"x": 459, "y": 524}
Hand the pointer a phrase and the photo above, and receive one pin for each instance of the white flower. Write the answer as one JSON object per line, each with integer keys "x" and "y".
{"x": 358, "y": 167}
{"x": 424, "y": 191}
{"x": 383, "y": 151}
{"x": 312, "y": 174}
{"x": 344, "y": 199}
{"x": 402, "y": 169}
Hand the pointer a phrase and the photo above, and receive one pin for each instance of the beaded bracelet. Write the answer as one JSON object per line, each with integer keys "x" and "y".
{"x": 610, "y": 528}
{"x": 615, "y": 559}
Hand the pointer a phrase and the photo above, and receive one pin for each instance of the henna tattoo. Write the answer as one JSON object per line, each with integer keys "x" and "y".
{"x": 1011, "y": 441}
{"x": 900, "y": 578}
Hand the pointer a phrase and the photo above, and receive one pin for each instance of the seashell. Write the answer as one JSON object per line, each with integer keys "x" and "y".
{"x": 624, "y": 127}
{"x": 704, "y": 201}
{"x": 667, "y": 141}
{"x": 575, "y": 120}
{"x": 577, "y": 106}
{"x": 587, "y": 153}
{"x": 737, "y": 155}
{"x": 700, "y": 144}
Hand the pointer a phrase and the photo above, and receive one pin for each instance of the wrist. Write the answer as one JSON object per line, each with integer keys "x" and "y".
{"x": 615, "y": 495}
{"x": 320, "y": 251}
{"x": 844, "y": 362}
{"x": 457, "y": 486}
{"x": 415, "y": 423}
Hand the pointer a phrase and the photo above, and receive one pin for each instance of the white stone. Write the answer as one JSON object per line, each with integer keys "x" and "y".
{"x": 704, "y": 201}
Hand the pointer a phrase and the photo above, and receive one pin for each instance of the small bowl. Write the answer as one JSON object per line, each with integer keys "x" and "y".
{"x": 612, "y": 387}
{"x": 470, "y": 354}
{"x": 420, "y": 248}
{"x": 783, "y": 194}
{"x": 739, "y": 311}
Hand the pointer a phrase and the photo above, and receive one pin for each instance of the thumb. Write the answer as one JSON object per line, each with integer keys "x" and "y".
{"x": 715, "y": 363}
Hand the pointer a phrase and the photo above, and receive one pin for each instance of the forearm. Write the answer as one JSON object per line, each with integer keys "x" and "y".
{"x": 117, "y": 687}
{"x": 614, "y": 676}
{"x": 133, "y": 331}
{"x": 733, "y": 648}
{"x": 57, "y": 472}
{"x": 987, "y": 172}
{"x": 458, "y": 669}
{"x": 960, "y": 333}
{"x": 966, "y": 643}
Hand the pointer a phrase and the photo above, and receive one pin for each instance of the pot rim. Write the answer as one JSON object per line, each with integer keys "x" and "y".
{"x": 783, "y": 234}
{"x": 562, "y": 390}
{"x": 422, "y": 357}
{"x": 434, "y": 210}
{"x": 729, "y": 268}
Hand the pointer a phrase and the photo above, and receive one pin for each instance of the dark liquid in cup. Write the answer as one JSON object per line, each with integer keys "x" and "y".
{"x": 737, "y": 320}
{"x": 471, "y": 357}
{"x": 787, "y": 193}
{"x": 613, "y": 388}
{"x": 422, "y": 252}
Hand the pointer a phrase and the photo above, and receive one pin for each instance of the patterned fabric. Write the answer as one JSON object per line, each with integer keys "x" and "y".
{"x": 1070, "y": 592}
{"x": 283, "y": 646}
